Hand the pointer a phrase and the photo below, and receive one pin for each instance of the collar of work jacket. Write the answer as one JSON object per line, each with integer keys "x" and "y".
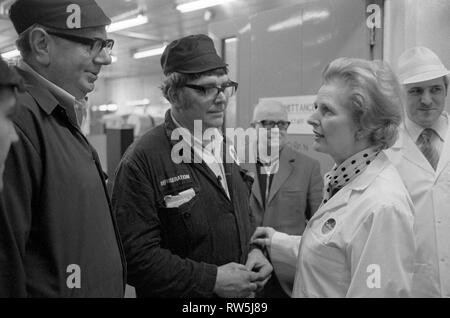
{"x": 410, "y": 152}
{"x": 359, "y": 184}
{"x": 47, "y": 94}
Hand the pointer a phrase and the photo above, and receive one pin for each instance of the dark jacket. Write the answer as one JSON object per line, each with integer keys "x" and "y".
{"x": 55, "y": 216}
{"x": 294, "y": 196}
{"x": 174, "y": 252}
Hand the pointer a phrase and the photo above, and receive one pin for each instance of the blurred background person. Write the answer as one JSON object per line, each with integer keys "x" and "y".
{"x": 360, "y": 242}
{"x": 422, "y": 156}
{"x": 10, "y": 84}
{"x": 288, "y": 186}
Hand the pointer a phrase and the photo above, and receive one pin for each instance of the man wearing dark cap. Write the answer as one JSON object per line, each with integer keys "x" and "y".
{"x": 183, "y": 212}
{"x": 60, "y": 237}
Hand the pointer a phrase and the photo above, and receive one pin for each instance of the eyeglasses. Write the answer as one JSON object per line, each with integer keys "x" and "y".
{"x": 229, "y": 89}
{"x": 96, "y": 44}
{"x": 281, "y": 124}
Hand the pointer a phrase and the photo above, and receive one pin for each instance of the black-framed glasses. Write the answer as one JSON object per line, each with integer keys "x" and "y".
{"x": 281, "y": 124}
{"x": 96, "y": 44}
{"x": 229, "y": 89}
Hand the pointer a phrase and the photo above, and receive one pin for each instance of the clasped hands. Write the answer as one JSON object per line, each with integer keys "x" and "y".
{"x": 238, "y": 281}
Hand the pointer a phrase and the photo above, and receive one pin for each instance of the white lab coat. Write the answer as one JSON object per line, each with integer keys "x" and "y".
{"x": 370, "y": 250}
{"x": 430, "y": 192}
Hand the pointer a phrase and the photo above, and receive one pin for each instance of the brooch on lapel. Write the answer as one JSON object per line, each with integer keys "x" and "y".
{"x": 328, "y": 226}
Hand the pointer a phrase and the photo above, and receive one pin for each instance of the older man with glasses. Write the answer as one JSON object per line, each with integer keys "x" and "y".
{"x": 182, "y": 203}
{"x": 288, "y": 184}
{"x": 63, "y": 239}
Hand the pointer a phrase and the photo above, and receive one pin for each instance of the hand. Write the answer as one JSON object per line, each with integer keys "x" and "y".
{"x": 259, "y": 264}
{"x": 263, "y": 237}
{"x": 235, "y": 280}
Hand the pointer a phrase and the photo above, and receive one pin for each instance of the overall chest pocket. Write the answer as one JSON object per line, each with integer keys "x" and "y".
{"x": 185, "y": 226}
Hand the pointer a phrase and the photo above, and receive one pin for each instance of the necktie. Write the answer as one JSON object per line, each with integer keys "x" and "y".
{"x": 267, "y": 189}
{"x": 424, "y": 142}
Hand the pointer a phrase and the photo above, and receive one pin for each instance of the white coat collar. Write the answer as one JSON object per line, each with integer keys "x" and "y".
{"x": 410, "y": 152}
{"x": 358, "y": 184}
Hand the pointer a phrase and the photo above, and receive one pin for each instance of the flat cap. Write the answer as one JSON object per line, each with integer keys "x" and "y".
{"x": 191, "y": 54}
{"x": 9, "y": 76}
{"x": 60, "y": 14}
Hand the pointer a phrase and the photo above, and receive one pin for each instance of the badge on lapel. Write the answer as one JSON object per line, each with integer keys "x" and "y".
{"x": 328, "y": 226}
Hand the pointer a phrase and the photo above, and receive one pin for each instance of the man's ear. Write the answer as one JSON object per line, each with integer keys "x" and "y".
{"x": 173, "y": 96}
{"x": 40, "y": 45}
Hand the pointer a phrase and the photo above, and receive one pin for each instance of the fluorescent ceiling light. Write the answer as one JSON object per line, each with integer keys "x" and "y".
{"x": 11, "y": 54}
{"x": 129, "y": 23}
{"x": 199, "y": 4}
{"x": 106, "y": 107}
{"x": 150, "y": 52}
{"x": 144, "y": 101}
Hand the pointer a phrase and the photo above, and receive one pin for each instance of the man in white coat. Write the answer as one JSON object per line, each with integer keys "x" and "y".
{"x": 422, "y": 156}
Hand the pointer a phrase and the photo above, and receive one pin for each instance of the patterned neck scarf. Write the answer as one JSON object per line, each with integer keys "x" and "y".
{"x": 341, "y": 175}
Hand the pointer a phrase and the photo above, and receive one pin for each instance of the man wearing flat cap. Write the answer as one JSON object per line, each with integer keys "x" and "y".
{"x": 182, "y": 203}
{"x": 60, "y": 237}
{"x": 422, "y": 156}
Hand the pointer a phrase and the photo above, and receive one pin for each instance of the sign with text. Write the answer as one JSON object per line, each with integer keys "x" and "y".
{"x": 299, "y": 109}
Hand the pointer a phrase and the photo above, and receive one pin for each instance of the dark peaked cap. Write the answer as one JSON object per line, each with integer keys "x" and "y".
{"x": 191, "y": 54}
{"x": 59, "y": 14}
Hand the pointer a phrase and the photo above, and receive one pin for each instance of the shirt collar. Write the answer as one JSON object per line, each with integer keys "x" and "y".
{"x": 440, "y": 127}
{"x": 268, "y": 162}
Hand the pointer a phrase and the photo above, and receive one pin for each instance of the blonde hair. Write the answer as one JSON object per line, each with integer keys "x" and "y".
{"x": 375, "y": 97}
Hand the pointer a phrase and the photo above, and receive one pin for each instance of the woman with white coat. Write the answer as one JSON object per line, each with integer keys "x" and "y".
{"x": 360, "y": 242}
